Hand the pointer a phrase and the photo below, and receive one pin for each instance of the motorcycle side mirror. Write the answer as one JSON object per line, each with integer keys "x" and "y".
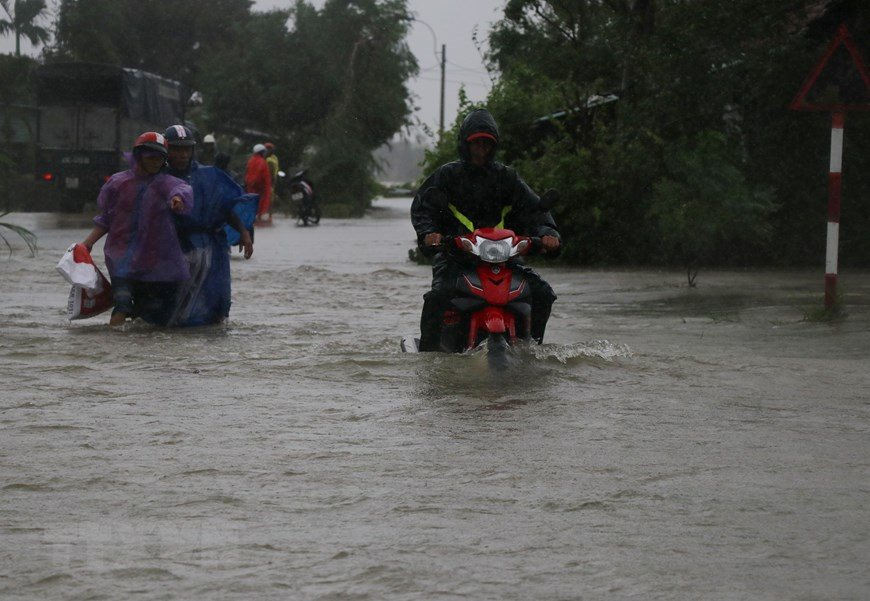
{"x": 549, "y": 199}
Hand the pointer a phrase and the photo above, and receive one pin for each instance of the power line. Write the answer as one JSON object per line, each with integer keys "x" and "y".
{"x": 481, "y": 71}
{"x": 458, "y": 81}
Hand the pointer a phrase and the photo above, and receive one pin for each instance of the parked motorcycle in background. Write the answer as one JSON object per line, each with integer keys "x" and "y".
{"x": 304, "y": 199}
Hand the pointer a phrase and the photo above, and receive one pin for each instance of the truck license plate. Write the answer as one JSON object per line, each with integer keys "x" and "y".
{"x": 72, "y": 183}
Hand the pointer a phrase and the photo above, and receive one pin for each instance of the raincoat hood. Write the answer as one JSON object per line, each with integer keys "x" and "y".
{"x": 479, "y": 121}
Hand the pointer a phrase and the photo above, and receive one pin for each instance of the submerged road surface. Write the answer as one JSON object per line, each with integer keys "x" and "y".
{"x": 665, "y": 443}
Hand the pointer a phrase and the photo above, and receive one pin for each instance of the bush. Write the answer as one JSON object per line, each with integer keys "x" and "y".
{"x": 703, "y": 207}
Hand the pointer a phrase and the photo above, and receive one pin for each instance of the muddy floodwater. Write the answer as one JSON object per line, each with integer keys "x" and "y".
{"x": 665, "y": 443}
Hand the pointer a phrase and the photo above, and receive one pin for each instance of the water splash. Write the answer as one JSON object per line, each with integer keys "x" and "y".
{"x": 581, "y": 351}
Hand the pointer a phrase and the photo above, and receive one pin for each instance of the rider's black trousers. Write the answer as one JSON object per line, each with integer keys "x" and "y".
{"x": 445, "y": 271}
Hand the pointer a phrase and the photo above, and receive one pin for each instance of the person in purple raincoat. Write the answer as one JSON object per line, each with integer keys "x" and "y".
{"x": 143, "y": 254}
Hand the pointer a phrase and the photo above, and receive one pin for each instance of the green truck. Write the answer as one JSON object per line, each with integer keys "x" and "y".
{"x": 88, "y": 117}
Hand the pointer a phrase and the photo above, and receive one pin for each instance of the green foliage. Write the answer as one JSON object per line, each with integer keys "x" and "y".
{"x": 25, "y": 234}
{"x": 172, "y": 39}
{"x": 23, "y": 17}
{"x": 332, "y": 89}
{"x": 342, "y": 166}
{"x": 704, "y": 206}
{"x": 243, "y": 87}
{"x": 699, "y": 159}
{"x": 822, "y": 314}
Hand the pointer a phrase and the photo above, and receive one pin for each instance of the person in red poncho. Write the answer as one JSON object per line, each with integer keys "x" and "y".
{"x": 258, "y": 180}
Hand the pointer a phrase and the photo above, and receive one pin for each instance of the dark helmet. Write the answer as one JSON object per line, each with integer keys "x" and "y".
{"x": 477, "y": 124}
{"x": 151, "y": 140}
{"x": 222, "y": 161}
{"x": 180, "y": 135}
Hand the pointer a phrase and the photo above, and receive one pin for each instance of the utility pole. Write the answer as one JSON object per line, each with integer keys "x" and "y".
{"x": 443, "y": 69}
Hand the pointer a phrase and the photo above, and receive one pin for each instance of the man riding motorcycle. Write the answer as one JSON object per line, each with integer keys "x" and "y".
{"x": 473, "y": 192}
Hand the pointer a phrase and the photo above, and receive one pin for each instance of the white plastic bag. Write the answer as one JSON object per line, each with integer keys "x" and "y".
{"x": 77, "y": 267}
{"x": 91, "y": 293}
{"x": 82, "y": 304}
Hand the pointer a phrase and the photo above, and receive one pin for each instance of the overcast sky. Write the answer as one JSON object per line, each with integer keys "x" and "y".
{"x": 452, "y": 22}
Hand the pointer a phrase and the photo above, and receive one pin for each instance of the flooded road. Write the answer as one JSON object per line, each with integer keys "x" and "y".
{"x": 665, "y": 443}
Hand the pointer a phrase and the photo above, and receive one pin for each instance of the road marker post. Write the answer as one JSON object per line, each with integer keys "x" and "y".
{"x": 838, "y": 83}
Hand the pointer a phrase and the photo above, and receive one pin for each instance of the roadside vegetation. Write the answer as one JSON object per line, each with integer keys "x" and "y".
{"x": 664, "y": 125}
{"x": 25, "y": 234}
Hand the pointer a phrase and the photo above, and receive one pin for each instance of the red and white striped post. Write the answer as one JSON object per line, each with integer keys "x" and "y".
{"x": 849, "y": 98}
{"x": 834, "y": 182}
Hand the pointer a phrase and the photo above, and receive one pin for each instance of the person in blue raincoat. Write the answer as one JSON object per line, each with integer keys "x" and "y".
{"x": 204, "y": 298}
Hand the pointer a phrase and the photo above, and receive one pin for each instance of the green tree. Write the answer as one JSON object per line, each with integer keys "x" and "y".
{"x": 679, "y": 74}
{"x": 244, "y": 87}
{"x": 172, "y": 39}
{"x": 332, "y": 87}
{"x": 703, "y": 206}
{"x": 22, "y": 21}
{"x": 372, "y": 65}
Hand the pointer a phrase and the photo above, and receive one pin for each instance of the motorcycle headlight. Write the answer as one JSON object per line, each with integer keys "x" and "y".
{"x": 495, "y": 251}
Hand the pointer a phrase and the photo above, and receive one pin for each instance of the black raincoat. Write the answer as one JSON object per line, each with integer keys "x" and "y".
{"x": 485, "y": 196}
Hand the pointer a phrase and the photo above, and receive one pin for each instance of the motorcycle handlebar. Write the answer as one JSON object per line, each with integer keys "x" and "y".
{"x": 451, "y": 243}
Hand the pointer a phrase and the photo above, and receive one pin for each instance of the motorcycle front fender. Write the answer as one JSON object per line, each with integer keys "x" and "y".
{"x": 495, "y": 320}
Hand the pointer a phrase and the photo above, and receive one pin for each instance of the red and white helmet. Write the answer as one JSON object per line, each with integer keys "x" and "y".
{"x": 151, "y": 140}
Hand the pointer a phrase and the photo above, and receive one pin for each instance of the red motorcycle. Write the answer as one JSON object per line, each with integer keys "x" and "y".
{"x": 492, "y": 302}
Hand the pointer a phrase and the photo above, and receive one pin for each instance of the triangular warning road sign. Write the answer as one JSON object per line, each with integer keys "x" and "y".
{"x": 839, "y": 82}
